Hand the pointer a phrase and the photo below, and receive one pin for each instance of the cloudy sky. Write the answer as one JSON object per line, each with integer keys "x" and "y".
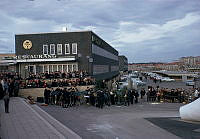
{"x": 142, "y": 30}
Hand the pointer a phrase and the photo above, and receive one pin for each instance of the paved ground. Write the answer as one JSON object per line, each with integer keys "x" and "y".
{"x": 27, "y": 121}
{"x": 144, "y": 120}
{"x": 180, "y": 128}
{"x": 118, "y": 122}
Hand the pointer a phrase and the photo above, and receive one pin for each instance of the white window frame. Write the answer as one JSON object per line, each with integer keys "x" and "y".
{"x": 52, "y": 45}
{"x": 67, "y": 46}
{"x": 74, "y": 45}
{"x": 45, "y": 45}
{"x": 59, "y": 45}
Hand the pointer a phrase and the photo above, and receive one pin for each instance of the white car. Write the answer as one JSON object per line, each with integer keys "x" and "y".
{"x": 158, "y": 78}
{"x": 166, "y": 79}
{"x": 123, "y": 84}
{"x": 190, "y": 83}
{"x": 133, "y": 75}
{"x": 138, "y": 81}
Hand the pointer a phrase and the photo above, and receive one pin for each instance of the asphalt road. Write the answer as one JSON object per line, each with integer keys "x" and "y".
{"x": 118, "y": 122}
{"x": 142, "y": 121}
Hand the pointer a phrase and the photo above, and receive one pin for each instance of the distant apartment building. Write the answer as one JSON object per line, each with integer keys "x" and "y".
{"x": 189, "y": 61}
{"x": 144, "y": 66}
{"x": 173, "y": 66}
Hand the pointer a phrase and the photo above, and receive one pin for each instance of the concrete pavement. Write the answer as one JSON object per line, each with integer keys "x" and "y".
{"x": 27, "y": 121}
{"x": 116, "y": 122}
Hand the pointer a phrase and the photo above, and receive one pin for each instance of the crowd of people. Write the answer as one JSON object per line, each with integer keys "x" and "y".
{"x": 54, "y": 79}
{"x": 68, "y": 97}
{"x": 9, "y": 86}
{"x": 62, "y": 90}
{"x": 172, "y": 95}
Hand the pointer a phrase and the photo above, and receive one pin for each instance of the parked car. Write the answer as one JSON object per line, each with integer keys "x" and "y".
{"x": 167, "y": 79}
{"x": 190, "y": 83}
{"x": 138, "y": 82}
{"x": 133, "y": 75}
{"x": 123, "y": 84}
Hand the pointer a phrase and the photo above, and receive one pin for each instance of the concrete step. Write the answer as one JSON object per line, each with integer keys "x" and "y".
{"x": 65, "y": 131}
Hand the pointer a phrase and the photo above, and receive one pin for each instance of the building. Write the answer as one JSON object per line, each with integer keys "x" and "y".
{"x": 172, "y": 66}
{"x": 188, "y": 61}
{"x": 7, "y": 63}
{"x": 144, "y": 67}
{"x": 123, "y": 63}
{"x": 66, "y": 52}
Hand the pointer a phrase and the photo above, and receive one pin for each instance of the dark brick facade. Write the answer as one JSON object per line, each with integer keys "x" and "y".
{"x": 123, "y": 63}
{"x": 84, "y": 56}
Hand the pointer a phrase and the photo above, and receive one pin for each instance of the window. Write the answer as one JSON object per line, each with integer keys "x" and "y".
{"x": 69, "y": 68}
{"x": 60, "y": 68}
{"x": 67, "y": 49}
{"x": 75, "y": 68}
{"x": 45, "y": 68}
{"x": 64, "y": 68}
{"x": 45, "y": 49}
{"x": 55, "y": 68}
{"x": 59, "y": 49}
{"x": 74, "y": 48}
{"x": 50, "y": 68}
{"x": 52, "y": 49}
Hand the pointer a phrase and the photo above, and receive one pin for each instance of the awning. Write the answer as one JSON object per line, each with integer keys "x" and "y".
{"x": 46, "y": 60}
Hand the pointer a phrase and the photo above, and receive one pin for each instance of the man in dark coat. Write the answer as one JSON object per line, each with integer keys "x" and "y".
{"x": 46, "y": 95}
{"x": 1, "y": 91}
{"x": 132, "y": 92}
{"x": 142, "y": 93}
{"x": 6, "y": 102}
{"x": 16, "y": 88}
{"x": 136, "y": 95}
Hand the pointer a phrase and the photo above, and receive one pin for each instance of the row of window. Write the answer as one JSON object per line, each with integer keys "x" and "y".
{"x": 59, "y": 49}
{"x": 102, "y": 52}
{"x": 99, "y": 69}
{"x": 53, "y": 68}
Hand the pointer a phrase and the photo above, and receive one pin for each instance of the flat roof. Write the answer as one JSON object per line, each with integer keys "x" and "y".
{"x": 53, "y": 32}
{"x": 176, "y": 73}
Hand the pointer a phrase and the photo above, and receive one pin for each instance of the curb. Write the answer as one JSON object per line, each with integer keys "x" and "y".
{"x": 47, "y": 123}
{"x": 53, "y": 122}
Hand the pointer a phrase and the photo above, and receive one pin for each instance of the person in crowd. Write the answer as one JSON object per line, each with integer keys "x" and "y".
{"x": 1, "y": 91}
{"x": 53, "y": 96}
{"x": 142, "y": 93}
{"x": 16, "y": 88}
{"x": 158, "y": 94}
{"x": 47, "y": 95}
{"x": 107, "y": 97}
{"x": 131, "y": 92}
{"x": 127, "y": 98}
{"x": 196, "y": 94}
{"x": 92, "y": 98}
{"x": 148, "y": 94}
{"x": 6, "y": 102}
{"x": 136, "y": 95}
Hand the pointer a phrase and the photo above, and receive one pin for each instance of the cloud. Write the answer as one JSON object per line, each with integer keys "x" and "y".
{"x": 132, "y": 32}
{"x": 152, "y": 28}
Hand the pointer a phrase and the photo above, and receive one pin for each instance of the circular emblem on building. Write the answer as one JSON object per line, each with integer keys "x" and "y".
{"x": 27, "y": 44}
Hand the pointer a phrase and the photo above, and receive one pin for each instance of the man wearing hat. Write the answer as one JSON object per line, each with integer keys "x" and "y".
{"x": 6, "y": 102}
